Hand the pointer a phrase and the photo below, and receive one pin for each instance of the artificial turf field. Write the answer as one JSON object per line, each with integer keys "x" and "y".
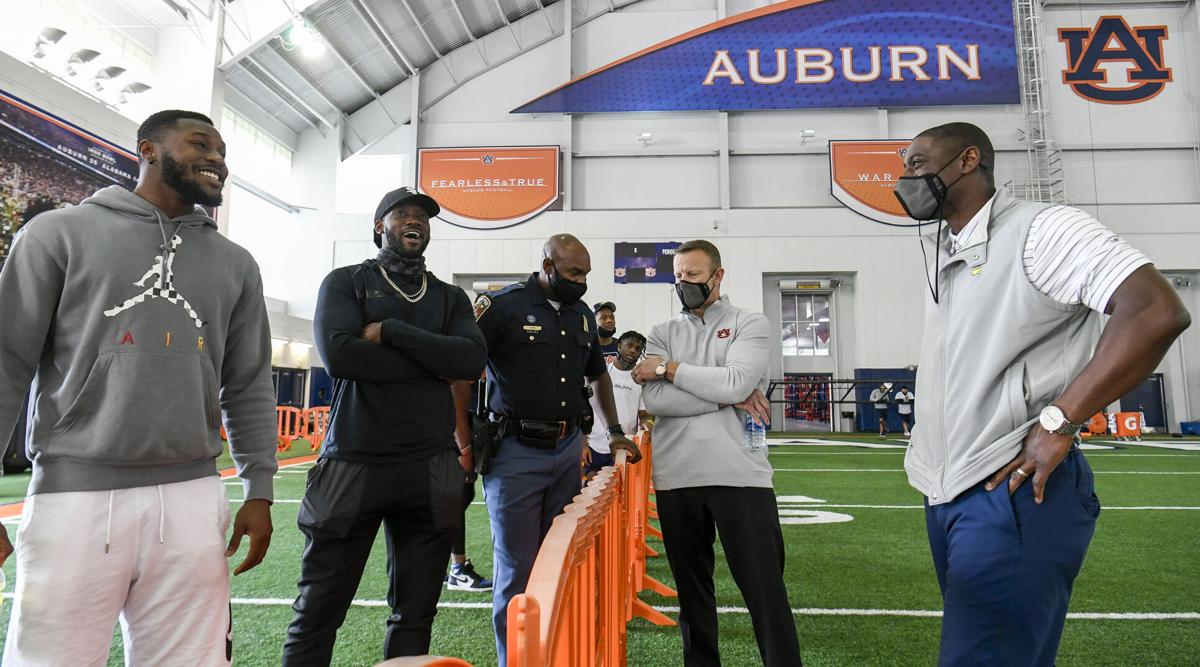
{"x": 863, "y": 589}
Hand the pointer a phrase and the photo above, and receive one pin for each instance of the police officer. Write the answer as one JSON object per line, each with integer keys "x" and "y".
{"x": 542, "y": 344}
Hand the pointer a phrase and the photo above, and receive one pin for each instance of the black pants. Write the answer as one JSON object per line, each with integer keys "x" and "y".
{"x": 748, "y": 523}
{"x": 460, "y": 535}
{"x": 419, "y": 505}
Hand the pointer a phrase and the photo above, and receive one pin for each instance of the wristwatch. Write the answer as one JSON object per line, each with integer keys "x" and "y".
{"x": 1053, "y": 420}
{"x": 661, "y": 369}
{"x": 616, "y": 429}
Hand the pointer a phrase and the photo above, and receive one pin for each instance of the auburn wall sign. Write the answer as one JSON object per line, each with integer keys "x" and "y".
{"x": 813, "y": 54}
{"x": 1114, "y": 63}
{"x": 863, "y": 178}
{"x": 490, "y": 188}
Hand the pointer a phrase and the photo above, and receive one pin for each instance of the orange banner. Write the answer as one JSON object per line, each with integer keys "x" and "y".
{"x": 490, "y": 188}
{"x": 863, "y": 177}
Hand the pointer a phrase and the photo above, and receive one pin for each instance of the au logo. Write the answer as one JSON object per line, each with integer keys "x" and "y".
{"x": 1095, "y": 54}
{"x": 488, "y": 158}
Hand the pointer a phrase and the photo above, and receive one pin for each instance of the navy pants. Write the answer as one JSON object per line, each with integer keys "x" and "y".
{"x": 526, "y": 488}
{"x": 1006, "y": 566}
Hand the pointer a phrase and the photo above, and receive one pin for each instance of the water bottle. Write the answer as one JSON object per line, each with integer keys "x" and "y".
{"x": 754, "y": 435}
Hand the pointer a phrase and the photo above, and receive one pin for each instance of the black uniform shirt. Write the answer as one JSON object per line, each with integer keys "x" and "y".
{"x": 538, "y": 357}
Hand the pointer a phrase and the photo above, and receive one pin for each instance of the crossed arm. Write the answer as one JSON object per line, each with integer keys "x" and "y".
{"x": 392, "y": 351}
{"x": 687, "y": 390}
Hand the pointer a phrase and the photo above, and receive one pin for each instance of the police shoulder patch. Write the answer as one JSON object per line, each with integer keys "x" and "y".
{"x": 482, "y": 303}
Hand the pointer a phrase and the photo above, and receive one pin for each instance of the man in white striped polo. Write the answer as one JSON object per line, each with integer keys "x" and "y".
{"x": 1008, "y": 377}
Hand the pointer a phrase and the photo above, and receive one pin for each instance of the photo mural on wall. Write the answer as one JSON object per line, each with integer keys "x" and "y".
{"x": 48, "y": 163}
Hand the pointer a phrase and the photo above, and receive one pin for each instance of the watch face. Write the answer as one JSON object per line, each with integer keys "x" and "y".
{"x": 1052, "y": 418}
{"x": 660, "y": 369}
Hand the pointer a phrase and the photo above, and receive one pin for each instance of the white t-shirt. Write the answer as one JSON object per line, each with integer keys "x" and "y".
{"x": 904, "y": 402}
{"x": 1069, "y": 256}
{"x": 628, "y": 396}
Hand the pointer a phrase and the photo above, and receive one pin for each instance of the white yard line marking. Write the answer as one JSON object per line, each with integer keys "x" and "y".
{"x": 801, "y": 611}
{"x": 801, "y": 500}
{"x": 1098, "y": 472}
{"x": 1183, "y": 445}
{"x": 1155, "y": 456}
{"x": 808, "y": 442}
{"x": 277, "y": 501}
{"x": 918, "y": 507}
{"x": 839, "y": 470}
{"x": 1090, "y": 456}
{"x": 804, "y": 453}
{"x": 1141, "y": 472}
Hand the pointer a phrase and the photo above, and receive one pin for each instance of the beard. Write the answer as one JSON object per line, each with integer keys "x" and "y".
{"x": 395, "y": 242}
{"x": 173, "y": 176}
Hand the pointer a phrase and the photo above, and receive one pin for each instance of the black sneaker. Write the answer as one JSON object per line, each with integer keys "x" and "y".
{"x": 465, "y": 578}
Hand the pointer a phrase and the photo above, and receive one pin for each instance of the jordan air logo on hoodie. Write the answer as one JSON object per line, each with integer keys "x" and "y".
{"x": 163, "y": 286}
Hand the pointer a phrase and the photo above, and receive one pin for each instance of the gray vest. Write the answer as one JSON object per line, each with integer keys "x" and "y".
{"x": 996, "y": 351}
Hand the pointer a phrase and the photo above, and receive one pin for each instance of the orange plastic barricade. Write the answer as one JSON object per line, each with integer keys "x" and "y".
{"x": 424, "y": 661}
{"x": 647, "y": 450}
{"x": 592, "y": 564}
{"x": 637, "y": 504}
{"x": 287, "y": 422}
{"x": 316, "y": 420}
{"x": 572, "y": 612}
{"x": 1129, "y": 424}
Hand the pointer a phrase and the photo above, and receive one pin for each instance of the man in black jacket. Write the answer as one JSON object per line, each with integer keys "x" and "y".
{"x": 393, "y": 337}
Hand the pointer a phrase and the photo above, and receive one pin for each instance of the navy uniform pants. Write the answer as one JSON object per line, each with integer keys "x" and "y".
{"x": 526, "y": 488}
{"x": 1006, "y": 566}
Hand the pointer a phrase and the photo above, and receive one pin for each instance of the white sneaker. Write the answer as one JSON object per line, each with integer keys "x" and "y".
{"x": 907, "y": 434}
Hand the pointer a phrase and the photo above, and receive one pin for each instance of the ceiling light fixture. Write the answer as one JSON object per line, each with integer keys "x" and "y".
{"x": 80, "y": 57}
{"x": 301, "y": 35}
{"x": 106, "y": 74}
{"x": 133, "y": 88}
{"x": 47, "y": 37}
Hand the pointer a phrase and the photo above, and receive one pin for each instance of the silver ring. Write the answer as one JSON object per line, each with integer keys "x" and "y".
{"x": 1020, "y": 472}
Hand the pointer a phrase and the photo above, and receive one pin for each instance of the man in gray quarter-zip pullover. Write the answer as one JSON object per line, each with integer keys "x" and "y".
{"x": 142, "y": 329}
{"x": 703, "y": 376}
{"x": 1012, "y": 364}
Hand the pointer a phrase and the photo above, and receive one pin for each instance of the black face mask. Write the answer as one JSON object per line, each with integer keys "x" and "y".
{"x": 605, "y": 333}
{"x": 694, "y": 295}
{"x": 565, "y": 291}
{"x": 923, "y": 196}
{"x": 924, "y": 199}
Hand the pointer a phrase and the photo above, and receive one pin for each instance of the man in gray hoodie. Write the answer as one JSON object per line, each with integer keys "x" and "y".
{"x": 703, "y": 380}
{"x": 141, "y": 327}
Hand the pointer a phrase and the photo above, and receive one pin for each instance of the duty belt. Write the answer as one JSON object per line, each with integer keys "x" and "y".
{"x": 536, "y": 428}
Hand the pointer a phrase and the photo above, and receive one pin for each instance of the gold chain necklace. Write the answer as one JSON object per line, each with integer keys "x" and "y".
{"x": 411, "y": 299}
